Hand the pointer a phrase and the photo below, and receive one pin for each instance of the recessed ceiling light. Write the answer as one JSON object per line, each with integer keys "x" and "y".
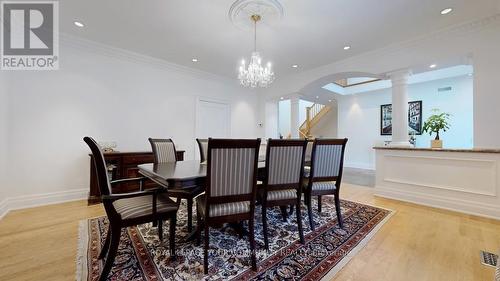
{"x": 295, "y": 65}
{"x": 347, "y": 48}
{"x": 432, "y": 66}
{"x": 446, "y": 11}
{"x": 329, "y": 100}
{"x": 194, "y": 60}
{"x": 282, "y": 98}
{"x": 79, "y": 24}
{"x": 317, "y": 97}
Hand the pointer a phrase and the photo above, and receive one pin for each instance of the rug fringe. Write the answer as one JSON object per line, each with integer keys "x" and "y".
{"x": 81, "y": 260}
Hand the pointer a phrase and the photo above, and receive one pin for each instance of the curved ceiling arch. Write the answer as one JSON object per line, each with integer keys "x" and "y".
{"x": 314, "y": 89}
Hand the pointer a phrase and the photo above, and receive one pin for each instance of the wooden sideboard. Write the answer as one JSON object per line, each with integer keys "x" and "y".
{"x": 123, "y": 165}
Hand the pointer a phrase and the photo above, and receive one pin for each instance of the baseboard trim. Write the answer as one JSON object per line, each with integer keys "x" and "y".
{"x": 36, "y": 200}
{"x": 359, "y": 166}
{"x": 456, "y": 205}
{"x": 3, "y": 208}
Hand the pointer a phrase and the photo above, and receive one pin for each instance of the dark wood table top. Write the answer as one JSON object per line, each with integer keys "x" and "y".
{"x": 178, "y": 174}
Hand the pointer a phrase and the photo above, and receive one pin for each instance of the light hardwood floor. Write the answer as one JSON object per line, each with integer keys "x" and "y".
{"x": 417, "y": 243}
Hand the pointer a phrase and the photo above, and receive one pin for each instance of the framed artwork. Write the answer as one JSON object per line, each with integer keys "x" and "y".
{"x": 414, "y": 118}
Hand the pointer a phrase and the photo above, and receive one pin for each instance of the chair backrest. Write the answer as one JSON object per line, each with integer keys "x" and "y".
{"x": 284, "y": 163}
{"x": 100, "y": 166}
{"x": 309, "y": 150}
{"x": 327, "y": 160}
{"x": 231, "y": 170}
{"x": 203, "y": 147}
{"x": 163, "y": 150}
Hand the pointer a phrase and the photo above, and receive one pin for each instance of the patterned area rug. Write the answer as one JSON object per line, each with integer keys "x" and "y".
{"x": 141, "y": 256}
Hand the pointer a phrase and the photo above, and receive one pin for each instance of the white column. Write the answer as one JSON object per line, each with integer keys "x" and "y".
{"x": 399, "y": 81}
{"x": 294, "y": 116}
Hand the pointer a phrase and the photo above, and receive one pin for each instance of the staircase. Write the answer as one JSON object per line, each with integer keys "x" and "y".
{"x": 314, "y": 113}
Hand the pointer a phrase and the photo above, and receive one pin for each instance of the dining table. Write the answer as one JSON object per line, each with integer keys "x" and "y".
{"x": 180, "y": 174}
{"x": 186, "y": 173}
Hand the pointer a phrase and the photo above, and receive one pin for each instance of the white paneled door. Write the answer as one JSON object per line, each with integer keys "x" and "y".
{"x": 212, "y": 119}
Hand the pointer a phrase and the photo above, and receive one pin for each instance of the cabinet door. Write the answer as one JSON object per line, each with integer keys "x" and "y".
{"x": 130, "y": 171}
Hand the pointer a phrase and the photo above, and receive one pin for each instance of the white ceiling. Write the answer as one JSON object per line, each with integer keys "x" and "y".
{"x": 312, "y": 32}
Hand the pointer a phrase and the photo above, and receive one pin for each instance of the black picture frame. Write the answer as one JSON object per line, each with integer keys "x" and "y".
{"x": 414, "y": 118}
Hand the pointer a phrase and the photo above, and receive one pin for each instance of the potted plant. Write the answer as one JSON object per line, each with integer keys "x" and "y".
{"x": 435, "y": 123}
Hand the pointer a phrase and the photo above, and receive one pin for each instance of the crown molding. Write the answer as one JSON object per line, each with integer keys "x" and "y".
{"x": 134, "y": 57}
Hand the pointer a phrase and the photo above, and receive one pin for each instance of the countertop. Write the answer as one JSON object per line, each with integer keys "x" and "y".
{"x": 469, "y": 150}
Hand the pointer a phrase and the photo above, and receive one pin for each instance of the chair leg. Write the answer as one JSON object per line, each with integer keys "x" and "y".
{"x": 299, "y": 222}
{"x": 337, "y": 209}
{"x": 309, "y": 210}
{"x": 241, "y": 229}
{"x": 252, "y": 244}
{"x": 160, "y": 230}
{"x": 199, "y": 226}
{"x": 113, "y": 248}
{"x": 205, "y": 256}
{"x": 319, "y": 203}
{"x": 284, "y": 213}
{"x": 190, "y": 214}
{"x": 291, "y": 210}
{"x": 105, "y": 247}
{"x": 173, "y": 223}
{"x": 264, "y": 225}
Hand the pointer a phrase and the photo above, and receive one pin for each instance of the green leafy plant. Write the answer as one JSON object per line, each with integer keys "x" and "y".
{"x": 437, "y": 122}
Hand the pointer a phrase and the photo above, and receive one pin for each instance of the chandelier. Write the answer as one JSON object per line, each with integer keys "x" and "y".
{"x": 255, "y": 75}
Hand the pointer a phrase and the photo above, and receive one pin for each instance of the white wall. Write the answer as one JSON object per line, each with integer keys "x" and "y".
{"x": 111, "y": 95}
{"x": 479, "y": 40}
{"x": 284, "y": 119}
{"x": 3, "y": 135}
{"x": 359, "y": 117}
{"x": 303, "y": 104}
{"x": 327, "y": 125}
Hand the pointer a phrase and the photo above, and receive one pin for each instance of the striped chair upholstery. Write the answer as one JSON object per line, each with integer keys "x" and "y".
{"x": 232, "y": 171}
{"x": 130, "y": 208}
{"x": 163, "y": 150}
{"x": 327, "y": 160}
{"x": 284, "y": 194}
{"x": 217, "y": 210}
{"x": 285, "y": 163}
{"x": 324, "y": 185}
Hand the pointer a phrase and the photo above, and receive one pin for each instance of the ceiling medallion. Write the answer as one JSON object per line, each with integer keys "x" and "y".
{"x": 254, "y": 74}
{"x": 270, "y": 11}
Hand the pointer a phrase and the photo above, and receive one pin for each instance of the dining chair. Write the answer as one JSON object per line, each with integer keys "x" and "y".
{"x": 282, "y": 183}
{"x": 203, "y": 147}
{"x": 230, "y": 191}
{"x": 325, "y": 176}
{"x": 129, "y": 209}
{"x": 164, "y": 152}
{"x": 309, "y": 149}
